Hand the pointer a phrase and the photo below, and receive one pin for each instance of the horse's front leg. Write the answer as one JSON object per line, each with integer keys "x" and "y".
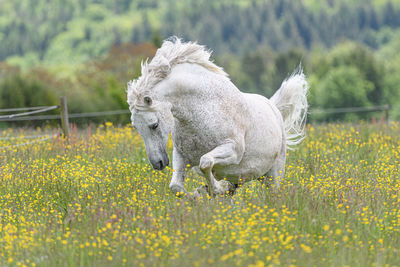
{"x": 228, "y": 153}
{"x": 178, "y": 176}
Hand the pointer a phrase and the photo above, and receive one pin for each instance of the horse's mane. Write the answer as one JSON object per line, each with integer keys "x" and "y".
{"x": 172, "y": 52}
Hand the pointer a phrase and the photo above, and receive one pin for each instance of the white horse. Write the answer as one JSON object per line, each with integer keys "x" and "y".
{"x": 225, "y": 134}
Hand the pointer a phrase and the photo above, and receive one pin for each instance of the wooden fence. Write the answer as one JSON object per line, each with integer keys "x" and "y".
{"x": 28, "y": 113}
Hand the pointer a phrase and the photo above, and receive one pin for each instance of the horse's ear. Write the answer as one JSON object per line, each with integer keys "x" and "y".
{"x": 148, "y": 100}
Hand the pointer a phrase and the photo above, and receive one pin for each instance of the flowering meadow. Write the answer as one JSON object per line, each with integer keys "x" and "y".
{"x": 94, "y": 200}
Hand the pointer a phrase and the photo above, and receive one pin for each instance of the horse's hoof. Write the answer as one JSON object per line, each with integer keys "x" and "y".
{"x": 194, "y": 195}
{"x": 202, "y": 190}
{"x": 177, "y": 190}
{"x": 226, "y": 187}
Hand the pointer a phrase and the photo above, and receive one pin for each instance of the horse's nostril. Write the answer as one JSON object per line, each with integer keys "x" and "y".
{"x": 160, "y": 163}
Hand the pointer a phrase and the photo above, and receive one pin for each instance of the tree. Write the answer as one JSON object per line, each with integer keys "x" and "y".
{"x": 19, "y": 91}
{"x": 156, "y": 39}
{"x": 343, "y": 86}
{"x": 254, "y": 67}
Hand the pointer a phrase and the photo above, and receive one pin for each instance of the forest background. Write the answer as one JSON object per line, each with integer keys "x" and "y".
{"x": 87, "y": 50}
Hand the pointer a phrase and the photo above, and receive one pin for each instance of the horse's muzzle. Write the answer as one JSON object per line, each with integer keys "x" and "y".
{"x": 160, "y": 164}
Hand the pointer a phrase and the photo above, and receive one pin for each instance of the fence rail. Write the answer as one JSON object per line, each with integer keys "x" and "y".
{"x": 19, "y": 109}
{"x": 350, "y": 110}
{"x": 384, "y": 108}
{"x": 35, "y": 110}
{"x": 71, "y": 116}
{"x": 25, "y": 116}
{"x": 43, "y": 109}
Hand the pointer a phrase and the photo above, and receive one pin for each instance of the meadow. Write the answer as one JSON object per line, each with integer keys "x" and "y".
{"x": 95, "y": 201}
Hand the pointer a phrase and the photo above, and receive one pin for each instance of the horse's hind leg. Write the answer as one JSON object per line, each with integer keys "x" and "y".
{"x": 225, "y": 154}
{"x": 274, "y": 176}
{"x": 277, "y": 172}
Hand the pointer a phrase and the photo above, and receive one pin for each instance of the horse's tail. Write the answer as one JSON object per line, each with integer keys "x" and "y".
{"x": 291, "y": 100}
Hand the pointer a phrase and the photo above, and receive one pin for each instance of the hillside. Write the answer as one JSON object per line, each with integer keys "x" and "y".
{"x": 60, "y": 32}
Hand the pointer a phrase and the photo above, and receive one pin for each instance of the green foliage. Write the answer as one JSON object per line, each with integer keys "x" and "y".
{"x": 74, "y": 31}
{"x": 88, "y": 50}
{"x": 389, "y": 53}
{"x": 284, "y": 65}
{"x": 350, "y": 75}
{"x": 261, "y": 71}
{"x": 156, "y": 39}
{"x": 350, "y": 54}
{"x": 343, "y": 86}
{"x": 20, "y": 91}
{"x": 99, "y": 85}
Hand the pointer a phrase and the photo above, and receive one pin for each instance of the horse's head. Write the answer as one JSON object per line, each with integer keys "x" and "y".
{"x": 153, "y": 120}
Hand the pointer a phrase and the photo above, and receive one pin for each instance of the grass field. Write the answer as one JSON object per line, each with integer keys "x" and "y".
{"x": 95, "y": 201}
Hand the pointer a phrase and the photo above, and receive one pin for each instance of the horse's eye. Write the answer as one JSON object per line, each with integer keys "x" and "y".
{"x": 154, "y": 126}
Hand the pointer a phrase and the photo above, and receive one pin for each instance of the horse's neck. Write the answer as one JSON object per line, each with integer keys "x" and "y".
{"x": 193, "y": 80}
{"x": 189, "y": 86}
{"x": 197, "y": 95}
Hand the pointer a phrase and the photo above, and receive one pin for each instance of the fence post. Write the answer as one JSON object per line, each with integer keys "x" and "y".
{"x": 387, "y": 114}
{"x": 64, "y": 116}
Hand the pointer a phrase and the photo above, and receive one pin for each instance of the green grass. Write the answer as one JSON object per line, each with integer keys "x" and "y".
{"x": 94, "y": 201}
